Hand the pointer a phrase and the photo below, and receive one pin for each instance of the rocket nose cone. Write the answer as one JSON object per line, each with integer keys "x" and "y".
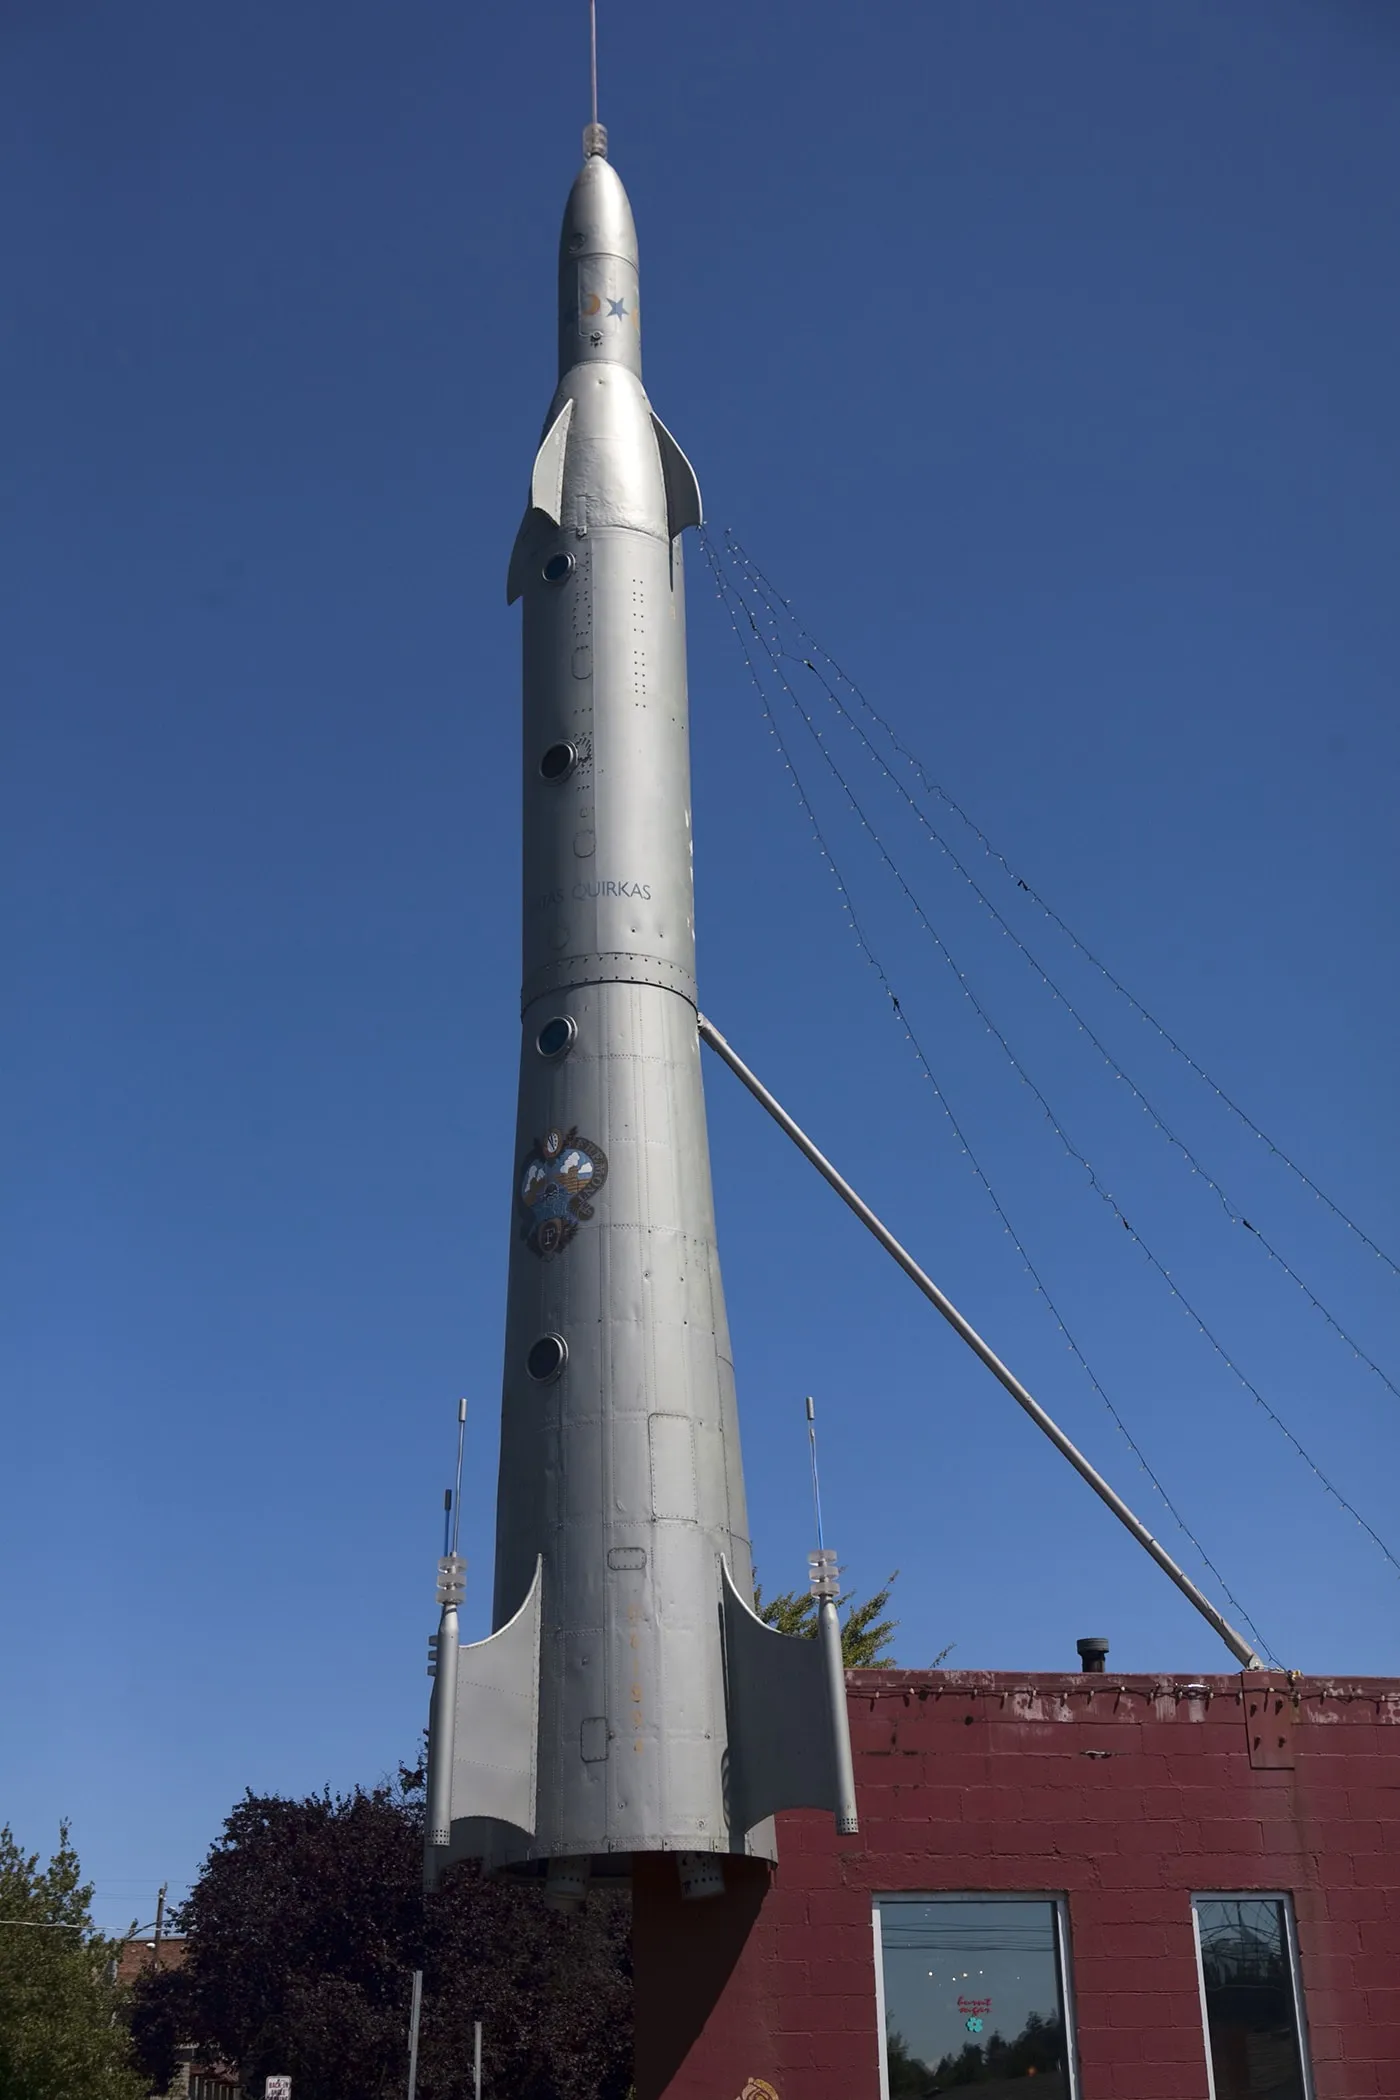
{"x": 597, "y": 217}
{"x": 599, "y": 312}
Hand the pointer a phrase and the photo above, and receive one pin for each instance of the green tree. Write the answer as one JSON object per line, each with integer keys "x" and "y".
{"x": 302, "y": 1933}
{"x": 910, "y": 2078}
{"x": 864, "y": 1634}
{"x": 60, "y": 2038}
{"x": 1040, "y": 2046}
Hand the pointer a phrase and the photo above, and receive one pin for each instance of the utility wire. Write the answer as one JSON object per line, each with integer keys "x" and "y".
{"x": 1105, "y": 1194}
{"x": 935, "y": 787}
{"x": 1232, "y": 1210}
{"x": 733, "y": 606}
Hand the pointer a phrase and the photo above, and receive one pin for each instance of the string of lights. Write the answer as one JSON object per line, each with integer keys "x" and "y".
{"x": 1076, "y": 1155}
{"x": 934, "y": 787}
{"x": 1232, "y": 1210}
{"x": 733, "y": 604}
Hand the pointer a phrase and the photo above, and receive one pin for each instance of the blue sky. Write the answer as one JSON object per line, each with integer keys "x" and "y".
{"x": 1045, "y": 357}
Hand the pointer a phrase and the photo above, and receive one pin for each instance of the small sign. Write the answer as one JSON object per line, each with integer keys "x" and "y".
{"x": 278, "y": 2088}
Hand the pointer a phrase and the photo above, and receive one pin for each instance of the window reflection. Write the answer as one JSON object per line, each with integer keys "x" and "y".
{"x": 973, "y": 1998}
{"x": 1251, "y": 2008}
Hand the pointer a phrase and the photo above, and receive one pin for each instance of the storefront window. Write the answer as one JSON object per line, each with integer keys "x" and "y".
{"x": 1250, "y": 1992}
{"x": 975, "y": 1997}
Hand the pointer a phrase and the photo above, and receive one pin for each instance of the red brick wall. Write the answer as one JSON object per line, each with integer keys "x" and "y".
{"x": 139, "y": 1955}
{"x": 1125, "y": 1795}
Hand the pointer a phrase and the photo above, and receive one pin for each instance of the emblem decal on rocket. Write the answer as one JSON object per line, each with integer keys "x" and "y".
{"x": 607, "y": 289}
{"x": 561, "y": 1171}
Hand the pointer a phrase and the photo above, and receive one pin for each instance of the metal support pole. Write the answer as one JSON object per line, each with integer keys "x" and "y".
{"x": 1236, "y": 1643}
{"x": 442, "y": 1716}
{"x": 476, "y": 2059}
{"x": 415, "y": 2015}
{"x": 829, "y": 1634}
{"x": 442, "y": 1710}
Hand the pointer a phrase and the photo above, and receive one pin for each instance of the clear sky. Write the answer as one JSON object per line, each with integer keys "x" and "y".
{"x": 1045, "y": 356}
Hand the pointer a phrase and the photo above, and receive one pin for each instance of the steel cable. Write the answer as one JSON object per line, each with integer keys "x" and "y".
{"x": 730, "y": 600}
{"x": 1080, "y": 1159}
{"x": 935, "y": 787}
{"x": 1231, "y": 1209}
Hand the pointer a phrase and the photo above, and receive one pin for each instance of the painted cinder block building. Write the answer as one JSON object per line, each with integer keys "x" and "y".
{"x": 1081, "y": 1887}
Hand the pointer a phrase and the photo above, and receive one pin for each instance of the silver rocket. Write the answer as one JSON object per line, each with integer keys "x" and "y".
{"x": 629, "y": 1700}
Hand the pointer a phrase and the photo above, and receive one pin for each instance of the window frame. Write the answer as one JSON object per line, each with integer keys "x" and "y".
{"x": 1295, "y": 1974}
{"x": 1059, "y": 1904}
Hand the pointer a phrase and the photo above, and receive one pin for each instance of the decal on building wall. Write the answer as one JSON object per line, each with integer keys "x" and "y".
{"x": 561, "y": 1172}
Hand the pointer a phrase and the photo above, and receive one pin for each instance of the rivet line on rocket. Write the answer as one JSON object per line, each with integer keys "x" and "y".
{"x": 1233, "y": 1211}
{"x": 959, "y": 1134}
{"x": 1237, "y": 1644}
{"x": 1073, "y": 1151}
{"x": 935, "y": 787}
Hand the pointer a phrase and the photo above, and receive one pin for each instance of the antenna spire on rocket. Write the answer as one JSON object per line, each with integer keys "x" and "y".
{"x": 816, "y": 1478}
{"x": 595, "y": 135}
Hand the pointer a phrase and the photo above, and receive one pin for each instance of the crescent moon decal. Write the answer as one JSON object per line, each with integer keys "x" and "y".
{"x": 591, "y": 304}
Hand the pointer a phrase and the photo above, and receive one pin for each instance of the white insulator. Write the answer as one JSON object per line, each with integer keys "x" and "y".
{"x": 452, "y": 1579}
{"x": 595, "y": 141}
{"x": 823, "y": 1574}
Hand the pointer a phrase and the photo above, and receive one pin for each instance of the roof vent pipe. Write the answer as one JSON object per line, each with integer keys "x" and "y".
{"x": 1092, "y": 1650}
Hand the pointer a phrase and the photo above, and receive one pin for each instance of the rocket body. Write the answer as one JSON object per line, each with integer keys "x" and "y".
{"x": 600, "y": 1720}
{"x": 619, "y": 1468}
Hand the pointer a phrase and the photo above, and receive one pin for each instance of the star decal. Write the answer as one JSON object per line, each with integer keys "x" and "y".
{"x": 616, "y": 309}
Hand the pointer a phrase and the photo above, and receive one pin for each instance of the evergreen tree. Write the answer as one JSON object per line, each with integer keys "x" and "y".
{"x": 60, "y": 2038}
{"x": 909, "y": 2076}
{"x": 864, "y": 1634}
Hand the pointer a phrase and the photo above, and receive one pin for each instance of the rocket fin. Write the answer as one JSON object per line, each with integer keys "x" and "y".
{"x": 782, "y": 1732}
{"x": 496, "y": 1742}
{"x": 683, "y": 505}
{"x": 495, "y": 1746}
{"x": 522, "y": 553}
{"x": 546, "y": 497}
{"x": 547, "y": 478}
